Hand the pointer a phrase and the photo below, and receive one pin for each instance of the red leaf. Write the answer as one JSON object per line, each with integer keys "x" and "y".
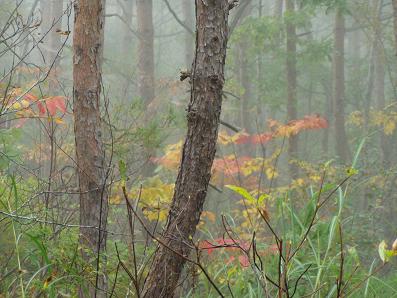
{"x": 55, "y": 103}
{"x": 244, "y": 261}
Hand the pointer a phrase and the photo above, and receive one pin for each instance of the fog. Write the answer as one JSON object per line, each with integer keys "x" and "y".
{"x": 120, "y": 177}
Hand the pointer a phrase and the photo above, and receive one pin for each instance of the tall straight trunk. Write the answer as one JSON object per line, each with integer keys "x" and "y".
{"x": 379, "y": 84}
{"x": 126, "y": 43}
{"x": 145, "y": 50}
{"x": 244, "y": 72}
{"x": 88, "y": 42}
{"x": 189, "y": 42}
{"x": 328, "y": 112}
{"x": 395, "y": 23}
{"x": 203, "y": 115}
{"x": 278, "y": 9}
{"x": 342, "y": 148}
{"x": 291, "y": 86}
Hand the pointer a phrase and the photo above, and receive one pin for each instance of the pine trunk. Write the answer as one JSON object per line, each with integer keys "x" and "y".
{"x": 90, "y": 156}
{"x": 199, "y": 148}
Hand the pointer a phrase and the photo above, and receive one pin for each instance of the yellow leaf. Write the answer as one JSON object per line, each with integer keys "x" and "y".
{"x": 271, "y": 173}
{"x": 389, "y": 127}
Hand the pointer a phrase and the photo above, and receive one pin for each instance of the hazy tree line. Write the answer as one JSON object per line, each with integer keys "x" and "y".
{"x": 127, "y": 124}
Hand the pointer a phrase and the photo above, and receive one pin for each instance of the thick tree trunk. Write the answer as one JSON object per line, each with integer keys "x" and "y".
{"x": 189, "y": 41}
{"x": 342, "y": 148}
{"x": 90, "y": 155}
{"x": 145, "y": 50}
{"x": 291, "y": 86}
{"x": 199, "y": 149}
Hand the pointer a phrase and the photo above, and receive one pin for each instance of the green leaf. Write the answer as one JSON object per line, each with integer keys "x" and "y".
{"x": 243, "y": 192}
{"x": 382, "y": 251}
{"x": 262, "y": 198}
{"x": 123, "y": 171}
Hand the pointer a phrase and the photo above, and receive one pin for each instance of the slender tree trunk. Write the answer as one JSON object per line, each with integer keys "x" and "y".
{"x": 328, "y": 112}
{"x": 90, "y": 156}
{"x": 291, "y": 86}
{"x": 342, "y": 148}
{"x": 379, "y": 86}
{"x": 395, "y": 23}
{"x": 244, "y": 71}
{"x": 146, "y": 89}
{"x": 278, "y": 9}
{"x": 126, "y": 43}
{"x": 189, "y": 42}
{"x": 199, "y": 149}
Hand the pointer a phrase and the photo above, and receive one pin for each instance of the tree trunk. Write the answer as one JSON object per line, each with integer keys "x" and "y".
{"x": 342, "y": 148}
{"x": 379, "y": 86}
{"x": 244, "y": 72}
{"x": 90, "y": 156}
{"x": 278, "y": 9}
{"x": 145, "y": 50}
{"x": 291, "y": 86}
{"x": 189, "y": 42}
{"x": 395, "y": 23}
{"x": 199, "y": 148}
{"x": 126, "y": 44}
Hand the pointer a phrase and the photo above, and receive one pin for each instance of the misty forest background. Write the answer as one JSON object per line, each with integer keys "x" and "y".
{"x": 302, "y": 199}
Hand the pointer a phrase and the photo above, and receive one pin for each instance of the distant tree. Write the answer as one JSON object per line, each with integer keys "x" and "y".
{"x": 395, "y": 22}
{"x": 128, "y": 6}
{"x": 379, "y": 84}
{"x": 203, "y": 116}
{"x": 88, "y": 41}
{"x": 291, "y": 83}
{"x": 341, "y": 142}
{"x": 146, "y": 88}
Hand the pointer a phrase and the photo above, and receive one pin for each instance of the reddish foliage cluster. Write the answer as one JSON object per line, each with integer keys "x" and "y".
{"x": 230, "y": 245}
{"x": 254, "y": 139}
{"x": 24, "y": 105}
{"x": 309, "y": 122}
{"x": 52, "y": 104}
{"x": 230, "y": 165}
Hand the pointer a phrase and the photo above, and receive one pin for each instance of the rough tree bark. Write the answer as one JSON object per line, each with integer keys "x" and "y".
{"x": 145, "y": 50}
{"x": 90, "y": 156}
{"x": 291, "y": 85}
{"x": 203, "y": 114}
{"x": 342, "y": 148}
